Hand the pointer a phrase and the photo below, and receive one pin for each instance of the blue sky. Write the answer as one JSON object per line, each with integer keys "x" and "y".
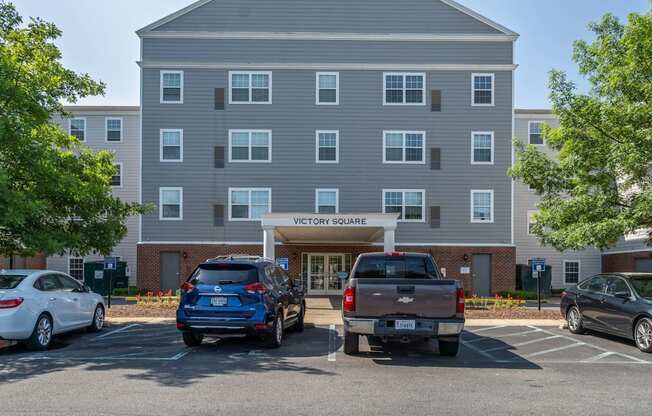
{"x": 98, "y": 37}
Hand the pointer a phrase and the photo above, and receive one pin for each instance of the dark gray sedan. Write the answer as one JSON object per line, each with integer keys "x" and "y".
{"x": 617, "y": 303}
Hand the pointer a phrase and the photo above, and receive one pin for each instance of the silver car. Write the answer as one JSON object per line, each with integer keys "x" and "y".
{"x": 37, "y": 304}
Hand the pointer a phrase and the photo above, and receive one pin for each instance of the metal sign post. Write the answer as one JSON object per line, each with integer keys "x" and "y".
{"x": 538, "y": 266}
{"x": 110, "y": 264}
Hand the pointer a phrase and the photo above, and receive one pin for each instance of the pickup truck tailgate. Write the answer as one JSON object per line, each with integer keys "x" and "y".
{"x": 423, "y": 298}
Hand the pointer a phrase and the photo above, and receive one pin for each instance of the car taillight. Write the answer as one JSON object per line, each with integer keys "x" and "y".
{"x": 460, "y": 301}
{"x": 563, "y": 294}
{"x": 349, "y": 299}
{"x": 187, "y": 287}
{"x": 257, "y": 287}
{"x": 11, "y": 303}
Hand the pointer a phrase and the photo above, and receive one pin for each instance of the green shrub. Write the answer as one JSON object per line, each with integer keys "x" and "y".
{"x": 120, "y": 291}
{"x": 521, "y": 294}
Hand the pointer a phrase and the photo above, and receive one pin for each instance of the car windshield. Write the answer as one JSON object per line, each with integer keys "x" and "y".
{"x": 224, "y": 274}
{"x": 405, "y": 267}
{"x": 11, "y": 281}
{"x": 643, "y": 286}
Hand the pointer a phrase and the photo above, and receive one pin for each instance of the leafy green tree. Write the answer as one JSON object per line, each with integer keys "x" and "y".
{"x": 598, "y": 187}
{"x": 55, "y": 194}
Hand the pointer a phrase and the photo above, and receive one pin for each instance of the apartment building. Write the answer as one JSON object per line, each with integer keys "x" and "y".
{"x": 312, "y": 132}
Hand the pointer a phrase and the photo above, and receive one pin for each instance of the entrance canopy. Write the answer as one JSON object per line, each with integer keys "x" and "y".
{"x": 328, "y": 229}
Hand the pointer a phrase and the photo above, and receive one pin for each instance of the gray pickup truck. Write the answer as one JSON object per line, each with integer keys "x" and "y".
{"x": 401, "y": 296}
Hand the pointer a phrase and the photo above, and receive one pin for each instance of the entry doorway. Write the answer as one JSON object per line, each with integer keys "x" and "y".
{"x": 322, "y": 272}
{"x": 170, "y": 273}
{"x": 481, "y": 269}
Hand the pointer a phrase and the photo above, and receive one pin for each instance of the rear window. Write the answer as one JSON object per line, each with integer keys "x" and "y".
{"x": 224, "y": 274}
{"x": 405, "y": 267}
{"x": 11, "y": 281}
{"x": 643, "y": 286}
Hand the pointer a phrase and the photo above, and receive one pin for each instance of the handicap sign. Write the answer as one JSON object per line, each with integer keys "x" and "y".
{"x": 283, "y": 263}
{"x": 538, "y": 265}
{"x": 110, "y": 263}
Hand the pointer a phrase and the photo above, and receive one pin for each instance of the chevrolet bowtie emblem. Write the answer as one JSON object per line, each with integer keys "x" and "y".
{"x": 405, "y": 300}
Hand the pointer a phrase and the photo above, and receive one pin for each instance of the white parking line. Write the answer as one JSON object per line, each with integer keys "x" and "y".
{"x": 522, "y": 344}
{"x": 478, "y": 350}
{"x": 515, "y": 334}
{"x": 565, "y": 347}
{"x": 598, "y": 357}
{"x": 332, "y": 344}
{"x": 488, "y": 328}
{"x": 115, "y": 331}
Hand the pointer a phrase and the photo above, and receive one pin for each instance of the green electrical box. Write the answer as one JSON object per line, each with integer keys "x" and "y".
{"x": 527, "y": 282}
{"x": 97, "y": 278}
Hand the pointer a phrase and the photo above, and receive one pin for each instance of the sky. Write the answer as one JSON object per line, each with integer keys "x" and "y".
{"x": 99, "y": 38}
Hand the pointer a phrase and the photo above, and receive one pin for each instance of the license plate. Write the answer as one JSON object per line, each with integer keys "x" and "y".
{"x": 219, "y": 301}
{"x": 405, "y": 325}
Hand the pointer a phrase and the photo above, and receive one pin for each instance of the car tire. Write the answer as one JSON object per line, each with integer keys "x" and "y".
{"x": 299, "y": 326}
{"x": 643, "y": 334}
{"x": 98, "y": 319}
{"x": 275, "y": 339}
{"x": 449, "y": 348}
{"x": 42, "y": 335}
{"x": 574, "y": 320}
{"x": 192, "y": 339}
{"x": 351, "y": 343}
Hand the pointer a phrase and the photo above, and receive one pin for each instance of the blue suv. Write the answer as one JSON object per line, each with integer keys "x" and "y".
{"x": 240, "y": 295}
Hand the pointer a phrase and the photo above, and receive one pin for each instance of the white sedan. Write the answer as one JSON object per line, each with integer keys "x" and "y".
{"x": 37, "y": 304}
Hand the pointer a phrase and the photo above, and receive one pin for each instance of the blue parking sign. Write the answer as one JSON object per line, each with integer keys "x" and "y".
{"x": 110, "y": 263}
{"x": 538, "y": 265}
{"x": 283, "y": 263}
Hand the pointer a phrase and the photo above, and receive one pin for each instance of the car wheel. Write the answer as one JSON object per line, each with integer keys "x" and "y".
{"x": 275, "y": 339}
{"x": 643, "y": 335}
{"x": 98, "y": 319}
{"x": 574, "y": 320}
{"x": 449, "y": 348}
{"x": 351, "y": 343}
{"x": 299, "y": 326}
{"x": 42, "y": 335}
{"x": 192, "y": 340}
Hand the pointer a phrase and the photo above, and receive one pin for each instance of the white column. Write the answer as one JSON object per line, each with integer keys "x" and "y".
{"x": 269, "y": 243}
{"x": 390, "y": 243}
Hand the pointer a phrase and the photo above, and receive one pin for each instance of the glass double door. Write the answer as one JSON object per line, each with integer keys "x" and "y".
{"x": 322, "y": 274}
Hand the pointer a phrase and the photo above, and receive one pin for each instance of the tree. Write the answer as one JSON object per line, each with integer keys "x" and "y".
{"x": 55, "y": 194}
{"x": 598, "y": 188}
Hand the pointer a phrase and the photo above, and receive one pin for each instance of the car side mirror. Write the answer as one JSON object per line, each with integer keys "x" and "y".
{"x": 623, "y": 295}
{"x": 87, "y": 289}
{"x": 342, "y": 275}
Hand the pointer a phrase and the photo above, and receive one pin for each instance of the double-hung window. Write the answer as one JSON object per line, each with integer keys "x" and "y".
{"x": 571, "y": 272}
{"x": 404, "y": 89}
{"x": 171, "y": 145}
{"x": 328, "y": 88}
{"x": 327, "y": 146}
{"x": 530, "y": 221}
{"x": 482, "y": 206}
{"x": 535, "y": 132}
{"x": 113, "y": 129}
{"x": 404, "y": 147}
{"x": 76, "y": 267}
{"x": 250, "y": 87}
{"x": 250, "y": 145}
{"x": 171, "y": 204}
{"x": 327, "y": 201}
{"x": 483, "y": 89}
{"x": 116, "y": 179}
{"x": 172, "y": 87}
{"x": 249, "y": 204}
{"x": 482, "y": 148}
{"x": 410, "y": 204}
{"x": 77, "y": 128}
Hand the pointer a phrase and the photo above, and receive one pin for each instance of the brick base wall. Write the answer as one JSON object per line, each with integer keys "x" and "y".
{"x": 503, "y": 273}
{"x": 624, "y": 262}
{"x": 37, "y": 262}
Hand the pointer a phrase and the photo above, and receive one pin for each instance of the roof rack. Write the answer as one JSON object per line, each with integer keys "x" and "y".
{"x": 240, "y": 257}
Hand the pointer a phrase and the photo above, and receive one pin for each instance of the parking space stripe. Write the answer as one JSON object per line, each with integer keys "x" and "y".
{"x": 487, "y": 329}
{"x": 598, "y": 357}
{"x": 478, "y": 350}
{"x": 565, "y": 347}
{"x": 332, "y": 337}
{"x": 124, "y": 328}
{"x": 522, "y": 344}
{"x": 515, "y": 334}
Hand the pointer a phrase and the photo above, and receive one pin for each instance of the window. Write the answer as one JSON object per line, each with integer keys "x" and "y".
{"x": 76, "y": 267}
{"x": 535, "y": 132}
{"x": 327, "y": 146}
{"x": 482, "y": 148}
{"x": 113, "y": 129}
{"x": 249, "y": 204}
{"x": 250, "y": 87}
{"x": 404, "y": 89}
{"x": 617, "y": 285}
{"x": 596, "y": 284}
{"x": 250, "y": 145}
{"x": 408, "y": 203}
{"x": 572, "y": 274}
{"x": 171, "y": 146}
{"x": 404, "y": 147}
{"x": 172, "y": 87}
{"x": 530, "y": 221}
{"x": 48, "y": 283}
{"x": 483, "y": 89}
{"x": 116, "y": 179}
{"x": 68, "y": 284}
{"x": 482, "y": 206}
{"x": 328, "y": 88}
{"x": 403, "y": 267}
{"x": 77, "y": 128}
{"x": 170, "y": 204}
{"x": 327, "y": 201}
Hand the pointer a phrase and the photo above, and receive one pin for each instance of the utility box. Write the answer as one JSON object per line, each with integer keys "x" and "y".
{"x": 97, "y": 278}
{"x": 527, "y": 282}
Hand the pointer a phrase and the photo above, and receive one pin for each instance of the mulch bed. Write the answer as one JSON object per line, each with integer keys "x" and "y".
{"x": 135, "y": 311}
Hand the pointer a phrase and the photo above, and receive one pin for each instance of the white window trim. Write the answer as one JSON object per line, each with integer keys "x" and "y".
{"x": 529, "y": 132}
{"x": 250, "y": 190}
{"x": 163, "y": 131}
{"x": 477, "y": 191}
{"x": 337, "y": 88}
{"x": 337, "y": 198}
{"x": 85, "y": 127}
{"x": 106, "y": 129}
{"x": 473, "y": 134}
{"x": 122, "y": 175}
{"x": 579, "y": 271}
{"x": 160, "y": 203}
{"x": 493, "y": 89}
{"x": 181, "y": 87}
{"x": 530, "y": 213}
{"x": 337, "y": 147}
{"x": 250, "y": 102}
{"x": 423, "y": 89}
{"x": 404, "y": 162}
{"x": 68, "y": 268}
{"x": 403, "y": 191}
{"x": 250, "y": 131}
